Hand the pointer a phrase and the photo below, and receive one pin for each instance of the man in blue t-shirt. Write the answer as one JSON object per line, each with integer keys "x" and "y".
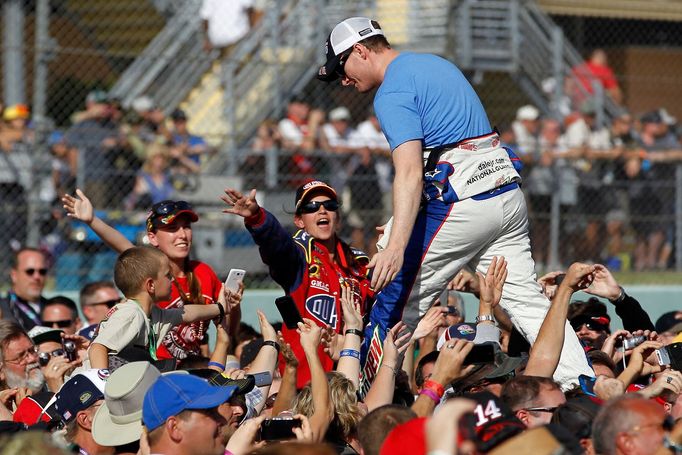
{"x": 456, "y": 196}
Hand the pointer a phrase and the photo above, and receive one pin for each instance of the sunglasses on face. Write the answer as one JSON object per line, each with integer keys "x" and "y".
{"x": 340, "y": 68}
{"x": 108, "y": 303}
{"x": 312, "y": 207}
{"x": 44, "y": 357}
{"x": 31, "y": 272}
{"x": 591, "y": 325}
{"x": 58, "y": 324}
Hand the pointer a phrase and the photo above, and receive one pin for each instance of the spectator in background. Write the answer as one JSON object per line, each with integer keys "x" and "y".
{"x": 64, "y": 164}
{"x": 15, "y": 178}
{"x": 153, "y": 183}
{"x": 299, "y": 134}
{"x": 96, "y": 105}
{"x": 51, "y": 356}
{"x": 24, "y": 302}
{"x": 225, "y": 23}
{"x": 264, "y": 147}
{"x": 96, "y": 299}
{"x": 526, "y": 128}
{"x": 62, "y": 313}
{"x": 95, "y": 136}
{"x": 19, "y": 366}
{"x": 186, "y": 149}
{"x": 591, "y": 142}
{"x": 590, "y": 321}
{"x": 595, "y": 70}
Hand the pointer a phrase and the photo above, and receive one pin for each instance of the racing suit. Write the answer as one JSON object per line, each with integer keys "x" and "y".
{"x": 303, "y": 268}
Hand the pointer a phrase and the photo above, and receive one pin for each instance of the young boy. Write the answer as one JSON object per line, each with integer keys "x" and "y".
{"x": 143, "y": 276}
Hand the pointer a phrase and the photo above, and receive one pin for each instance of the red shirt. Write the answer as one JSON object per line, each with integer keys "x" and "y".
{"x": 186, "y": 339}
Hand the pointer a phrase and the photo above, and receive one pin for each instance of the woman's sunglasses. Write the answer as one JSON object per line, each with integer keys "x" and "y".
{"x": 312, "y": 207}
{"x": 166, "y": 207}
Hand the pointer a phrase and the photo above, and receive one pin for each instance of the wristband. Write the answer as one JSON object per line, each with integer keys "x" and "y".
{"x": 350, "y": 353}
{"x": 274, "y": 344}
{"x": 354, "y": 332}
{"x": 216, "y": 364}
{"x": 221, "y": 317}
{"x": 485, "y": 317}
{"x": 435, "y": 387}
{"x": 431, "y": 394}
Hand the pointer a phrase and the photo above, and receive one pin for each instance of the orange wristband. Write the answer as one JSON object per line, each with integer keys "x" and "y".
{"x": 433, "y": 385}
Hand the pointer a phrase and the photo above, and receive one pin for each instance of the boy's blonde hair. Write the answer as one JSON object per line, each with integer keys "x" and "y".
{"x": 134, "y": 266}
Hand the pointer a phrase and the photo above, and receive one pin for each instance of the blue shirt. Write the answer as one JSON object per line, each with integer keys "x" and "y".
{"x": 425, "y": 97}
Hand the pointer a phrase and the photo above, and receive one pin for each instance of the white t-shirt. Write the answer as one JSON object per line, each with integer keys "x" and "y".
{"x": 228, "y": 20}
{"x": 290, "y": 131}
{"x": 365, "y": 135}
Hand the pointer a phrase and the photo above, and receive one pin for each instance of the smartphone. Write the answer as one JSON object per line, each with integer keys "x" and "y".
{"x": 587, "y": 384}
{"x": 559, "y": 278}
{"x": 480, "y": 354}
{"x": 670, "y": 355}
{"x": 262, "y": 379}
{"x": 278, "y": 428}
{"x": 235, "y": 277}
{"x": 290, "y": 314}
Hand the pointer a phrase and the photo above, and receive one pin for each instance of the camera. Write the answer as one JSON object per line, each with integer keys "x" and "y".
{"x": 670, "y": 355}
{"x": 70, "y": 350}
{"x": 278, "y": 428}
{"x": 633, "y": 342}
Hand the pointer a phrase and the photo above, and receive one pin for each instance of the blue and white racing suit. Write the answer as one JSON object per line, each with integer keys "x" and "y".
{"x": 472, "y": 207}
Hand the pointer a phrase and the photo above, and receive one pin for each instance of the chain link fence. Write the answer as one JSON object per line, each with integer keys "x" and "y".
{"x": 139, "y": 101}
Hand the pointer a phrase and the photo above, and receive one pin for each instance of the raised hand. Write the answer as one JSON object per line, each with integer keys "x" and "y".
{"x": 578, "y": 276}
{"x": 465, "y": 281}
{"x": 492, "y": 283}
{"x": 266, "y": 329}
{"x": 448, "y": 366}
{"x": 548, "y": 283}
{"x": 352, "y": 318}
{"x": 310, "y": 333}
{"x": 239, "y": 204}
{"x": 233, "y": 299}
{"x": 395, "y": 344}
{"x": 604, "y": 284}
{"x": 432, "y": 320}
{"x": 79, "y": 208}
{"x": 385, "y": 266}
{"x": 290, "y": 358}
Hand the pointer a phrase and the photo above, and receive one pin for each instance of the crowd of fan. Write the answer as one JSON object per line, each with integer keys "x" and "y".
{"x": 426, "y": 397}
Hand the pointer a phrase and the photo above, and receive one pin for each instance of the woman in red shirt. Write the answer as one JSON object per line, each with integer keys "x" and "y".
{"x": 169, "y": 228}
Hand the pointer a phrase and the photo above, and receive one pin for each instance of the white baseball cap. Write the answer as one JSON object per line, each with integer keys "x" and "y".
{"x": 527, "y": 112}
{"x": 342, "y": 38}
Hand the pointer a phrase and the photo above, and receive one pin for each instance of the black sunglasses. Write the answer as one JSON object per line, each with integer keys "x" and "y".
{"x": 166, "y": 207}
{"x": 340, "y": 68}
{"x": 312, "y": 207}
{"x": 44, "y": 357}
{"x": 31, "y": 272}
{"x": 108, "y": 303}
{"x": 590, "y": 325}
{"x": 61, "y": 324}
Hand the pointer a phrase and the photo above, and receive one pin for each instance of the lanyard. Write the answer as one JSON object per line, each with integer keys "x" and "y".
{"x": 151, "y": 336}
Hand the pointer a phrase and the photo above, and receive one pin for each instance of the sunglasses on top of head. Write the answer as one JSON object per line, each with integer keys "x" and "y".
{"x": 166, "y": 207}
{"x": 313, "y": 206}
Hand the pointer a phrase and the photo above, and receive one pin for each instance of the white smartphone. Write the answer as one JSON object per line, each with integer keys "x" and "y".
{"x": 235, "y": 277}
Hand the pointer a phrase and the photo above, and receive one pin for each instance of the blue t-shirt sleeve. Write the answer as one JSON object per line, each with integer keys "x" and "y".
{"x": 399, "y": 118}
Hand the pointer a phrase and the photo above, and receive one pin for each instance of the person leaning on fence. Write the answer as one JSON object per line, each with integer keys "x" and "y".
{"x": 143, "y": 275}
{"x": 309, "y": 266}
{"x": 169, "y": 228}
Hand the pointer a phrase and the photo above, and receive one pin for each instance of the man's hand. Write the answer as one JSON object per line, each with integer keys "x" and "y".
{"x": 243, "y": 440}
{"x": 448, "y": 366}
{"x": 492, "y": 283}
{"x": 432, "y": 320}
{"x": 604, "y": 284}
{"x": 607, "y": 388}
{"x": 55, "y": 370}
{"x": 79, "y": 209}
{"x": 304, "y": 433}
{"x": 385, "y": 266}
{"x": 609, "y": 346}
{"x": 441, "y": 428}
{"x": 667, "y": 380}
{"x": 266, "y": 330}
{"x": 310, "y": 334}
{"x": 548, "y": 283}
{"x": 465, "y": 281}
{"x": 579, "y": 276}
{"x": 239, "y": 204}
{"x": 352, "y": 319}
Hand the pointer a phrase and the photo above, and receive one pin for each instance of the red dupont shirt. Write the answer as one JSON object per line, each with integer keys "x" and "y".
{"x": 185, "y": 339}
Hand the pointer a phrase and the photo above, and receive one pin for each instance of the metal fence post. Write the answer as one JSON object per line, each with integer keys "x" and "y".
{"x": 678, "y": 217}
{"x": 13, "y": 89}
{"x": 554, "y": 262}
{"x": 558, "y": 69}
{"x": 40, "y": 164}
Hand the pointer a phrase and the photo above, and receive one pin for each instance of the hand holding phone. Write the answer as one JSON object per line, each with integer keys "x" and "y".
{"x": 235, "y": 277}
{"x": 278, "y": 428}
